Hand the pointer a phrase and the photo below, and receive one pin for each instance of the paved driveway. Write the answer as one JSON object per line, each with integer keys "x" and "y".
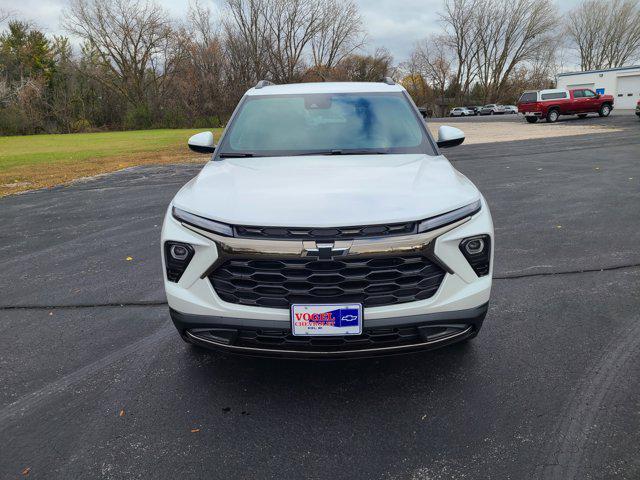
{"x": 94, "y": 382}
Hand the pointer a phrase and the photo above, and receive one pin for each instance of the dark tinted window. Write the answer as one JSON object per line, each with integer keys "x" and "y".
{"x": 528, "y": 97}
{"x": 578, "y": 94}
{"x": 553, "y": 95}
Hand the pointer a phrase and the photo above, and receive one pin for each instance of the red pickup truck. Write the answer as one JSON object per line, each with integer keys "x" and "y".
{"x": 550, "y": 104}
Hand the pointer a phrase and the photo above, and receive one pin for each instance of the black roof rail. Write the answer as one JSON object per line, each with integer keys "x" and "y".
{"x": 388, "y": 80}
{"x": 263, "y": 83}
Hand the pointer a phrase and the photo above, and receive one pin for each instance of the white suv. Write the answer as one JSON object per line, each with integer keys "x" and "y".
{"x": 327, "y": 224}
{"x": 492, "y": 109}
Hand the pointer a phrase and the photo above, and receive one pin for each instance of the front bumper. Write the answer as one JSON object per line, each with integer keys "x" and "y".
{"x": 196, "y": 304}
{"x": 380, "y": 337}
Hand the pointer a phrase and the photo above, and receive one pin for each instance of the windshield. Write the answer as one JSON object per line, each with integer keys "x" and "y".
{"x": 337, "y": 123}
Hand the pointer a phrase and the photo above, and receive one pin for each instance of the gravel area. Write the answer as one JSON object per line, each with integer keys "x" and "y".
{"x": 516, "y": 128}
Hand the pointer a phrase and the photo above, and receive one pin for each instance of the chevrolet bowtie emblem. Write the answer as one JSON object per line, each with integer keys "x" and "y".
{"x": 325, "y": 250}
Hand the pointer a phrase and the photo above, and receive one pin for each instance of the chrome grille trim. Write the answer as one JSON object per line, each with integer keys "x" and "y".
{"x": 229, "y": 247}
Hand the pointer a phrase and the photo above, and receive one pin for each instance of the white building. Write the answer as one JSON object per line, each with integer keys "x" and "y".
{"x": 623, "y": 83}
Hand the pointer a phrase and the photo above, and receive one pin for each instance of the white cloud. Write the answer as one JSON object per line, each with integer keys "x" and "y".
{"x": 398, "y": 25}
{"x": 45, "y": 14}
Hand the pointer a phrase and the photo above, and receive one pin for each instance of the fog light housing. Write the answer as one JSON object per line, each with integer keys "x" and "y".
{"x": 474, "y": 246}
{"x": 179, "y": 252}
{"x": 477, "y": 251}
{"x": 177, "y": 256}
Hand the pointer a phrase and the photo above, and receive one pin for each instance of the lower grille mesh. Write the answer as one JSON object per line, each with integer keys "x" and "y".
{"x": 374, "y": 281}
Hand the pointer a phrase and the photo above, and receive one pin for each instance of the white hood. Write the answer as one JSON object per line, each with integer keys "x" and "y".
{"x": 326, "y": 191}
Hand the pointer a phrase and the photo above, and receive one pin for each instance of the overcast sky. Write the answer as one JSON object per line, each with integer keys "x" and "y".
{"x": 395, "y": 24}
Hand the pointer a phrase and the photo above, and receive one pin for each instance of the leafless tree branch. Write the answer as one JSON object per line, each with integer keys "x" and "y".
{"x": 605, "y": 44}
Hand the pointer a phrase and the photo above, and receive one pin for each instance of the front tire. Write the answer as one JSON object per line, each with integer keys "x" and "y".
{"x": 531, "y": 119}
{"x": 605, "y": 110}
{"x": 492, "y": 112}
{"x": 552, "y": 116}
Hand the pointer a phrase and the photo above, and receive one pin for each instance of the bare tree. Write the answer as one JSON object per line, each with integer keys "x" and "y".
{"x": 434, "y": 61}
{"x": 4, "y": 16}
{"x": 292, "y": 25}
{"x": 340, "y": 33}
{"x": 462, "y": 37}
{"x": 248, "y": 37}
{"x": 411, "y": 78}
{"x": 365, "y": 68}
{"x": 200, "y": 81}
{"x": 201, "y": 24}
{"x": 608, "y": 44}
{"x": 510, "y": 32}
{"x": 279, "y": 39}
{"x": 132, "y": 39}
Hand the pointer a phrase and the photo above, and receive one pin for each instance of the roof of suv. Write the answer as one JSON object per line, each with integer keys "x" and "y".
{"x": 325, "y": 87}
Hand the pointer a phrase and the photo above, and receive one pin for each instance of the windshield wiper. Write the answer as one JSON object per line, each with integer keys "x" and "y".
{"x": 236, "y": 155}
{"x": 347, "y": 152}
{"x": 320, "y": 152}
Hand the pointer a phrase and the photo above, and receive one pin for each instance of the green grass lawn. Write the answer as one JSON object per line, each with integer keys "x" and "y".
{"x": 76, "y": 147}
{"x": 35, "y": 161}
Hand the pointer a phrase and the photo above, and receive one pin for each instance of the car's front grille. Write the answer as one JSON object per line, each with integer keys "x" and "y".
{"x": 372, "y": 281}
{"x": 371, "y": 338}
{"x": 337, "y": 233}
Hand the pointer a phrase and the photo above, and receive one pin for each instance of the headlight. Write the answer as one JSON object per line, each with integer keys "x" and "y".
{"x": 449, "y": 217}
{"x": 201, "y": 222}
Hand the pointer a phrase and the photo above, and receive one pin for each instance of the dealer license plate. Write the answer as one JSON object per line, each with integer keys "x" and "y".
{"x": 326, "y": 320}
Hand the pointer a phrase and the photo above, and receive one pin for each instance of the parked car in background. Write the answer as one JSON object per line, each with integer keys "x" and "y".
{"x": 510, "y": 109}
{"x": 550, "y": 104}
{"x": 460, "y": 112}
{"x": 425, "y": 112}
{"x": 475, "y": 109}
{"x": 492, "y": 109}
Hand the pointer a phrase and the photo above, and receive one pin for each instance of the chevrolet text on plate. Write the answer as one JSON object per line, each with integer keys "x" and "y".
{"x": 327, "y": 224}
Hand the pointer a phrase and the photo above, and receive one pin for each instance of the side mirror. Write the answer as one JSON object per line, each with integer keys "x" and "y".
{"x": 202, "y": 142}
{"x": 449, "y": 137}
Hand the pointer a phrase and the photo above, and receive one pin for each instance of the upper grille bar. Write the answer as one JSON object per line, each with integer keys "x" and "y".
{"x": 337, "y": 233}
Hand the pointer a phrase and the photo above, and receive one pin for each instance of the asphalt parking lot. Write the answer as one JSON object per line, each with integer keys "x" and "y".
{"x": 95, "y": 383}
